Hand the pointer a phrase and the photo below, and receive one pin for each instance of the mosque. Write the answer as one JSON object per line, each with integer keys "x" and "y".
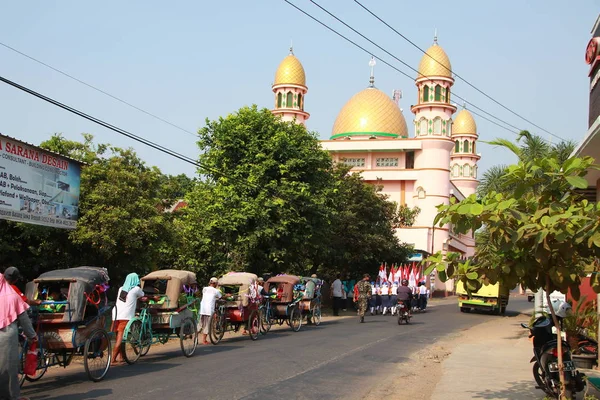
{"x": 423, "y": 169}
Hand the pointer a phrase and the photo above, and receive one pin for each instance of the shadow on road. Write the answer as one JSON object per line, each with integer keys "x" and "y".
{"x": 515, "y": 391}
{"x": 92, "y": 394}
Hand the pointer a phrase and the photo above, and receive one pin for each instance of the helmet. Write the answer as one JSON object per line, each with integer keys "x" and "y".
{"x": 561, "y": 308}
{"x": 404, "y": 282}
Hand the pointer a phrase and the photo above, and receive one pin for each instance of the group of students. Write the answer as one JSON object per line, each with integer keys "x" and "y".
{"x": 385, "y": 296}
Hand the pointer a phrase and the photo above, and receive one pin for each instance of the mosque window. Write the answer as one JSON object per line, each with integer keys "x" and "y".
{"x": 466, "y": 146}
{"x": 437, "y": 126}
{"x": 290, "y": 100}
{"x": 425, "y": 94}
{"x": 457, "y": 146}
{"x": 475, "y": 172}
{"x": 423, "y": 126}
{"x": 474, "y": 148}
{"x": 300, "y": 99}
{"x": 386, "y": 162}
{"x": 354, "y": 162}
{"x": 466, "y": 170}
{"x": 409, "y": 162}
{"x": 449, "y": 128}
{"x": 279, "y": 99}
{"x": 438, "y": 93}
{"x": 447, "y": 95}
{"x": 455, "y": 170}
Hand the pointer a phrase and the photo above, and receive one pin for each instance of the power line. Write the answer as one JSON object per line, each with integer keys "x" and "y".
{"x": 455, "y": 74}
{"x": 393, "y": 56}
{"x": 99, "y": 90}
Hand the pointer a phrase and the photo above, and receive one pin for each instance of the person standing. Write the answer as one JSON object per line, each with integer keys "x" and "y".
{"x": 13, "y": 312}
{"x": 373, "y": 298}
{"x": 210, "y": 294}
{"x": 12, "y": 275}
{"x": 385, "y": 297}
{"x": 394, "y": 297}
{"x": 362, "y": 295}
{"x": 336, "y": 294}
{"x": 422, "y": 296}
{"x": 124, "y": 310}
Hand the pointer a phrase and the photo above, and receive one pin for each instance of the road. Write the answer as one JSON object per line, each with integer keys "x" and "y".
{"x": 339, "y": 359}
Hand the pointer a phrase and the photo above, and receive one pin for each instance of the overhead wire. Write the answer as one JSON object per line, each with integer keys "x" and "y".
{"x": 99, "y": 90}
{"x": 455, "y": 74}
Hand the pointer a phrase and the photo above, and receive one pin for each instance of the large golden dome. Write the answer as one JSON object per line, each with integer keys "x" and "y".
{"x": 370, "y": 112}
{"x": 290, "y": 71}
{"x": 464, "y": 123}
{"x": 435, "y": 62}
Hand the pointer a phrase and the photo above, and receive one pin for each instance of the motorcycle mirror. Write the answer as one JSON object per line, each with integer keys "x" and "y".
{"x": 525, "y": 325}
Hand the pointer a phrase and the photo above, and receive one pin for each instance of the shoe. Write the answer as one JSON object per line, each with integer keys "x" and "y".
{"x": 205, "y": 342}
{"x": 362, "y": 319}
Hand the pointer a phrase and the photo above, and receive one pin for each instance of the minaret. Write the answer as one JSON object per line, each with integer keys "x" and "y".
{"x": 433, "y": 126}
{"x": 290, "y": 89}
{"x": 463, "y": 163}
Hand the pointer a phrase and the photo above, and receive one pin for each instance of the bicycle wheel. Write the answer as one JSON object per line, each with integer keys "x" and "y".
{"x": 22, "y": 354}
{"x": 188, "y": 337}
{"x": 316, "y": 314}
{"x": 97, "y": 355}
{"x": 265, "y": 321}
{"x": 132, "y": 345}
{"x": 295, "y": 319}
{"x": 253, "y": 325}
{"x": 42, "y": 367}
{"x": 216, "y": 328}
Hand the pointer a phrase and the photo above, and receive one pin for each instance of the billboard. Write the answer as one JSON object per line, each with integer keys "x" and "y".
{"x": 37, "y": 186}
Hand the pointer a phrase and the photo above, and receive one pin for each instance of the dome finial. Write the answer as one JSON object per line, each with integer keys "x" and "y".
{"x": 372, "y": 65}
{"x": 291, "y": 47}
{"x": 435, "y": 37}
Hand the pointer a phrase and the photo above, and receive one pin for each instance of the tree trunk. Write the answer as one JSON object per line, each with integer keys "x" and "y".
{"x": 561, "y": 371}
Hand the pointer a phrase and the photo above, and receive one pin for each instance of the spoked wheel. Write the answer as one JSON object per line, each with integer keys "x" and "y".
{"x": 295, "y": 319}
{"x": 97, "y": 355}
{"x": 216, "y": 328}
{"x": 400, "y": 318}
{"x": 316, "y": 315}
{"x": 188, "y": 337}
{"x": 133, "y": 345}
{"x": 540, "y": 378}
{"x": 253, "y": 325}
{"x": 265, "y": 322}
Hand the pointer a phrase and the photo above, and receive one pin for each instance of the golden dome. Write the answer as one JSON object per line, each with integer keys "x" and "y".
{"x": 464, "y": 123}
{"x": 290, "y": 71}
{"x": 370, "y": 112}
{"x": 435, "y": 62}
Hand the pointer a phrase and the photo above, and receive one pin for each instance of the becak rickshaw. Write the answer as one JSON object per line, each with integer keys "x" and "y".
{"x": 169, "y": 309}
{"x": 287, "y": 292}
{"x": 238, "y": 307}
{"x": 310, "y": 305}
{"x": 73, "y": 319}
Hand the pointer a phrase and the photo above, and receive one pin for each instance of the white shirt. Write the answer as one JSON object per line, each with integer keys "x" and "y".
{"x": 337, "y": 288}
{"x": 394, "y": 290}
{"x": 125, "y": 310}
{"x": 423, "y": 289}
{"x": 209, "y": 298}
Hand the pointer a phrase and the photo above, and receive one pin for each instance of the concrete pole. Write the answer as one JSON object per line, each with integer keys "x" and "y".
{"x": 538, "y": 304}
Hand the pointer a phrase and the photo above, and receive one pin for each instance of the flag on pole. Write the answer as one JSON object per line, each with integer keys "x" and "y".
{"x": 382, "y": 276}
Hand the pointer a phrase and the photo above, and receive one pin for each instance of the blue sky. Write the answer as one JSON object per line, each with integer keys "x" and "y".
{"x": 191, "y": 60}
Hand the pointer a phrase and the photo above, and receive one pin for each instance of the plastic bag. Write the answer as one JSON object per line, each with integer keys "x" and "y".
{"x": 31, "y": 359}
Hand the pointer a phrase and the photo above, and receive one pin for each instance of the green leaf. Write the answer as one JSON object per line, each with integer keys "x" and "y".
{"x": 476, "y": 209}
{"x": 472, "y": 275}
{"x": 577, "y": 182}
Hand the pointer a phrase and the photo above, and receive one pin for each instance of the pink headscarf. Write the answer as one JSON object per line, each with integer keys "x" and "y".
{"x": 11, "y": 304}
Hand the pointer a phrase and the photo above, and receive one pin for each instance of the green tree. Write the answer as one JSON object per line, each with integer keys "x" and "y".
{"x": 542, "y": 235}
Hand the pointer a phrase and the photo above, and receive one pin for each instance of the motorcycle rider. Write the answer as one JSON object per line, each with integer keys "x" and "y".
{"x": 405, "y": 294}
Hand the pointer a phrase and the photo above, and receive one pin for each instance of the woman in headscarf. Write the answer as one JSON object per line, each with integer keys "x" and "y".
{"x": 13, "y": 312}
{"x": 124, "y": 310}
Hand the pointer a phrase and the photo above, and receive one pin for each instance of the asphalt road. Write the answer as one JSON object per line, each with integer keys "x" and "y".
{"x": 339, "y": 359}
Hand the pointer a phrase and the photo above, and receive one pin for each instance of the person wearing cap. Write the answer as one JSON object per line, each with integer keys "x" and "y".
{"x": 12, "y": 276}
{"x": 210, "y": 294}
{"x": 124, "y": 310}
{"x": 362, "y": 296}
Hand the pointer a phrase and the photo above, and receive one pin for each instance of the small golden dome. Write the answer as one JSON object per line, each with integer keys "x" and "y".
{"x": 290, "y": 71}
{"x": 370, "y": 112}
{"x": 435, "y": 62}
{"x": 464, "y": 123}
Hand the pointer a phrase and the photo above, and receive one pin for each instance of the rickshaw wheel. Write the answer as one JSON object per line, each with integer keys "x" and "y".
{"x": 265, "y": 323}
{"x": 132, "y": 346}
{"x": 188, "y": 337}
{"x": 295, "y": 320}
{"x": 43, "y": 362}
{"x": 253, "y": 325}
{"x": 216, "y": 329}
{"x": 97, "y": 355}
{"x": 316, "y": 315}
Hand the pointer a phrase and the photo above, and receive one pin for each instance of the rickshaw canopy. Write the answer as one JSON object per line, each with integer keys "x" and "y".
{"x": 242, "y": 279}
{"x": 175, "y": 280}
{"x": 285, "y": 287}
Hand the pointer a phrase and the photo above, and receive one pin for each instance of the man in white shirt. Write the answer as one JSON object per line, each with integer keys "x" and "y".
{"x": 336, "y": 294}
{"x": 210, "y": 294}
{"x": 422, "y": 296}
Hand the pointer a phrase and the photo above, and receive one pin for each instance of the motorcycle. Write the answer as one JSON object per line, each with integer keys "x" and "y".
{"x": 545, "y": 360}
{"x": 403, "y": 313}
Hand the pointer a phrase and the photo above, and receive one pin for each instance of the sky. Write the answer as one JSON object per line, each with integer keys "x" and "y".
{"x": 187, "y": 61}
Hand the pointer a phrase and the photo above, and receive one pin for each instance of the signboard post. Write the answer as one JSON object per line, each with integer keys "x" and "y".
{"x": 37, "y": 186}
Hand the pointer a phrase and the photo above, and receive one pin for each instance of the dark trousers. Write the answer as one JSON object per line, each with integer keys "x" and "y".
{"x": 337, "y": 301}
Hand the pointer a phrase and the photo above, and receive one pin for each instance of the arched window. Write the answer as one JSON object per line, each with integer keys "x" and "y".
{"x": 448, "y": 94}
{"x": 457, "y": 146}
{"x": 437, "y": 126}
{"x": 279, "y": 99}
{"x": 438, "y": 93}
{"x": 466, "y": 170}
{"x": 423, "y": 127}
{"x": 300, "y": 99}
{"x": 475, "y": 172}
{"x": 455, "y": 169}
{"x": 425, "y": 94}
{"x": 290, "y": 100}
{"x": 466, "y": 146}
{"x": 449, "y": 128}
{"x": 474, "y": 148}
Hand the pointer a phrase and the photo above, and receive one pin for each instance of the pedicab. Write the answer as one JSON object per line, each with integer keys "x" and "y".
{"x": 310, "y": 305}
{"x": 73, "y": 319}
{"x": 284, "y": 306}
{"x": 169, "y": 310}
{"x": 238, "y": 307}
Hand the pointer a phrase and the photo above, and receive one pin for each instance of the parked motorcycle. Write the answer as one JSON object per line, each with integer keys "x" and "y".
{"x": 545, "y": 356}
